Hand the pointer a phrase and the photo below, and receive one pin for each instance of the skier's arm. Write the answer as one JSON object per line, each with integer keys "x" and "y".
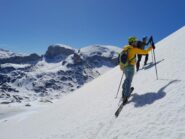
{"x": 142, "y": 52}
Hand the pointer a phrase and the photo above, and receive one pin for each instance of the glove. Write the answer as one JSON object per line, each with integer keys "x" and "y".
{"x": 153, "y": 46}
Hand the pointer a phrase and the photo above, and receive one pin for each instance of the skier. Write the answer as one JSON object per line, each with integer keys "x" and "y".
{"x": 128, "y": 68}
{"x": 141, "y": 45}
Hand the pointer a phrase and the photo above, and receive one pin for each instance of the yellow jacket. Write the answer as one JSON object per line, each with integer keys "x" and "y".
{"x": 133, "y": 51}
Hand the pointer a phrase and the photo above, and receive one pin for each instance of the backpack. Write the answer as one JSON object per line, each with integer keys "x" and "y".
{"x": 123, "y": 58}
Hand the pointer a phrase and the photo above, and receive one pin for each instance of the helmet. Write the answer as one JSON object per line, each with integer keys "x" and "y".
{"x": 132, "y": 39}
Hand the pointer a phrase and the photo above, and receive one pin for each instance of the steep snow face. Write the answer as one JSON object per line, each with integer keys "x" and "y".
{"x": 155, "y": 110}
{"x": 62, "y": 69}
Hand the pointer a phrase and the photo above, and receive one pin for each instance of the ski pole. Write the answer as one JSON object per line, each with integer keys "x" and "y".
{"x": 155, "y": 65}
{"x": 154, "y": 58}
{"x": 119, "y": 85}
{"x": 150, "y": 42}
{"x": 152, "y": 55}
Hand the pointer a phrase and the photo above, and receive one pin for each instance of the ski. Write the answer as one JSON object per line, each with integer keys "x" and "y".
{"x": 122, "y": 104}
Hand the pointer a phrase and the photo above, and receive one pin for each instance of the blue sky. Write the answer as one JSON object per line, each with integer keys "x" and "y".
{"x": 29, "y": 26}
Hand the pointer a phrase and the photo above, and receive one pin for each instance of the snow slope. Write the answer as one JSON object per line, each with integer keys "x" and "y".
{"x": 155, "y": 110}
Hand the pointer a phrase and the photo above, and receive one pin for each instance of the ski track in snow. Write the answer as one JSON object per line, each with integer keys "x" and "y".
{"x": 103, "y": 129}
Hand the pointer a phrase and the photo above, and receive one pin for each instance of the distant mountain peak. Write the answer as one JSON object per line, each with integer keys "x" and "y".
{"x": 6, "y": 53}
{"x": 59, "y": 50}
{"x": 100, "y": 50}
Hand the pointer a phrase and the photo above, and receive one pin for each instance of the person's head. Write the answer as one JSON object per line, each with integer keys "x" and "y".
{"x": 132, "y": 41}
{"x": 144, "y": 39}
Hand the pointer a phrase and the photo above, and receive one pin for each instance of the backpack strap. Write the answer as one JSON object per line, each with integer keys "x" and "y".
{"x": 129, "y": 61}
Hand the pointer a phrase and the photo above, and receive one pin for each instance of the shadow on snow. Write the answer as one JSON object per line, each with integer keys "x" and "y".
{"x": 151, "y": 64}
{"x": 151, "y": 97}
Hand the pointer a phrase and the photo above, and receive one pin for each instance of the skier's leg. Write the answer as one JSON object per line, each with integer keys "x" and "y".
{"x": 138, "y": 62}
{"x": 129, "y": 73}
{"x": 146, "y": 59}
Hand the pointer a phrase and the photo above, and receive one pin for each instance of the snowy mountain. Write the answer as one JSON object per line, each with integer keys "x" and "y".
{"x": 7, "y": 54}
{"x": 60, "y": 70}
{"x": 59, "y": 50}
{"x": 155, "y": 110}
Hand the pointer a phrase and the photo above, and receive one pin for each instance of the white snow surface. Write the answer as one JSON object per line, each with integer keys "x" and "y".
{"x": 64, "y": 46}
{"x": 16, "y": 66}
{"x": 156, "y": 109}
{"x": 45, "y": 67}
